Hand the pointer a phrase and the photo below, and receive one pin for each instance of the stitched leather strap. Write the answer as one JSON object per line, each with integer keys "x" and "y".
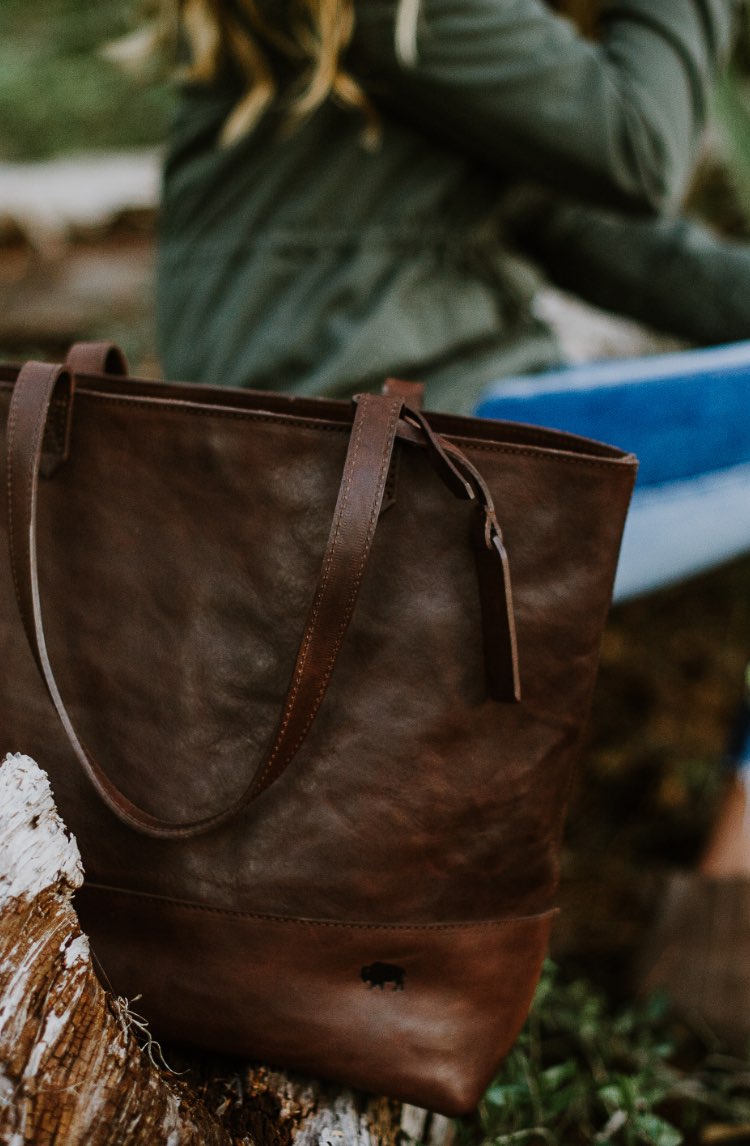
{"x": 411, "y": 392}
{"x": 348, "y": 548}
{"x": 41, "y": 388}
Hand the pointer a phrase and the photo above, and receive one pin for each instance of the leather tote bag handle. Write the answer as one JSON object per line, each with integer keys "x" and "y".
{"x": 97, "y": 358}
{"x": 38, "y": 442}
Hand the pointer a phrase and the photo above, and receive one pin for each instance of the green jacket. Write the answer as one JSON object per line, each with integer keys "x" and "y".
{"x": 305, "y": 262}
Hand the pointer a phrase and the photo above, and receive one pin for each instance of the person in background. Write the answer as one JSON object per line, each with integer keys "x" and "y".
{"x": 349, "y": 181}
{"x": 354, "y": 189}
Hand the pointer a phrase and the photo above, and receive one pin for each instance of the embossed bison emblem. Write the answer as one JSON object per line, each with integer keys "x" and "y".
{"x": 378, "y": 974}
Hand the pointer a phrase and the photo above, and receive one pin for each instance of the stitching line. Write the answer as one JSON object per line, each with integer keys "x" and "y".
{"x": 545, "y": 453}
{"x": 41, "y": 416}
{"x": 304, "y": 651}
{"x": 269, "y": 769}
{"x": 180, "y": 406}
{"x": 40, "y": 420}
{"x": 9, "y": 480}
{"x": 556, "y": 454}
{"x": 188, "y": 905}
{"x": 355, "y": 588}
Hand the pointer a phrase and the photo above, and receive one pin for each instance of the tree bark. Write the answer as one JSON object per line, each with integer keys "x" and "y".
{"x": 77, "y": 1065}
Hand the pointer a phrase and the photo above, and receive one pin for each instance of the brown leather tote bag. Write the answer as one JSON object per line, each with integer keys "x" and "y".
{"x": 313, "y": 714}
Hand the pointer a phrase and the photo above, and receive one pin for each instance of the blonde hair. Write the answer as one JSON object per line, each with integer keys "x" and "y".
{"x": 311, "y": 36}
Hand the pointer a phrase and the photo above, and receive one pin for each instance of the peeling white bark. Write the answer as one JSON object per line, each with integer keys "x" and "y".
{"x": 71, "y": 1070}
{"x": 35, "y": 850}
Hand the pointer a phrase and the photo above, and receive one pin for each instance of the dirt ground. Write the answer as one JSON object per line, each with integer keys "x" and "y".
{"x": 651, "y": 774}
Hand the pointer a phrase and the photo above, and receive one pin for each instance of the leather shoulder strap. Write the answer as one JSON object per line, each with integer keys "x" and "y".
{"x": 347, "y": 551}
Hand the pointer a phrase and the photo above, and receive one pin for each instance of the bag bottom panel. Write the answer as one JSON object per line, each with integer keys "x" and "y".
{"x": 420, "y": 1013}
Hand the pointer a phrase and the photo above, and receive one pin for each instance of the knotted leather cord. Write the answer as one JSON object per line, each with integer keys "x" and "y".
{"x": 360, "y": 497}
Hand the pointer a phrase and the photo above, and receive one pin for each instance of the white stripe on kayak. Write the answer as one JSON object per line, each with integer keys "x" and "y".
{"x": 681, "y": 528}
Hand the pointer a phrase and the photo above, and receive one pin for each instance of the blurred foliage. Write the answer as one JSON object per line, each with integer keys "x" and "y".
{"x": 57, "y": 92}
{"x": 584, "y": 1072}
{"x": 732, "y": 116}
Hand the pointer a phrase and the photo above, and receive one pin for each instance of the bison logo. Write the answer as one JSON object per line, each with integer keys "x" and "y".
{"x": 378, "y": 974}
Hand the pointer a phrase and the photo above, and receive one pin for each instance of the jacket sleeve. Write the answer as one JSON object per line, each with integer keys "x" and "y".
{"x": 671, "y": 274}
{"x": 513, "y": 84}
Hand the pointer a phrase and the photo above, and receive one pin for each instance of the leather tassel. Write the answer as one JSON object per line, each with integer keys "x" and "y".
{"x": 498, "y": 621}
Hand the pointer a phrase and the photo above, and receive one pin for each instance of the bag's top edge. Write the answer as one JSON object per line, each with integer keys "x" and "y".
{"x": 332, "y": 413}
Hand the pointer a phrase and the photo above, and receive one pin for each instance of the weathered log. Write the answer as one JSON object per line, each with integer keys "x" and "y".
{"x": 77, "y": 1065}
{"x": 71, "y": 1068}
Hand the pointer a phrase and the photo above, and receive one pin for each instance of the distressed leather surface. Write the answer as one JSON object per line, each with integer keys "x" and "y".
{"x": 442, "y": 1007}
{"x": 179, "y": 547}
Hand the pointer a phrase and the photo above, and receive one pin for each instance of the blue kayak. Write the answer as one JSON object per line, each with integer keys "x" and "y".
{"x": 686, "y": 415}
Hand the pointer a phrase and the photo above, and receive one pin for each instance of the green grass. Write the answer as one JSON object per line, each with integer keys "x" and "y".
{"x": 585, "y": 1071}
{"x": 58, "y": 94}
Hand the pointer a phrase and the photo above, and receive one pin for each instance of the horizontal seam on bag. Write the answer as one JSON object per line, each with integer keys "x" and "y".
{"x": 552, "y": 453}
{"x": 184, "y": 406}
{"x": 556, "y": 454}
{"x": 532, "y": 448}
{"x": 536, "y": 438}
{"x": 234, "y": 913}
